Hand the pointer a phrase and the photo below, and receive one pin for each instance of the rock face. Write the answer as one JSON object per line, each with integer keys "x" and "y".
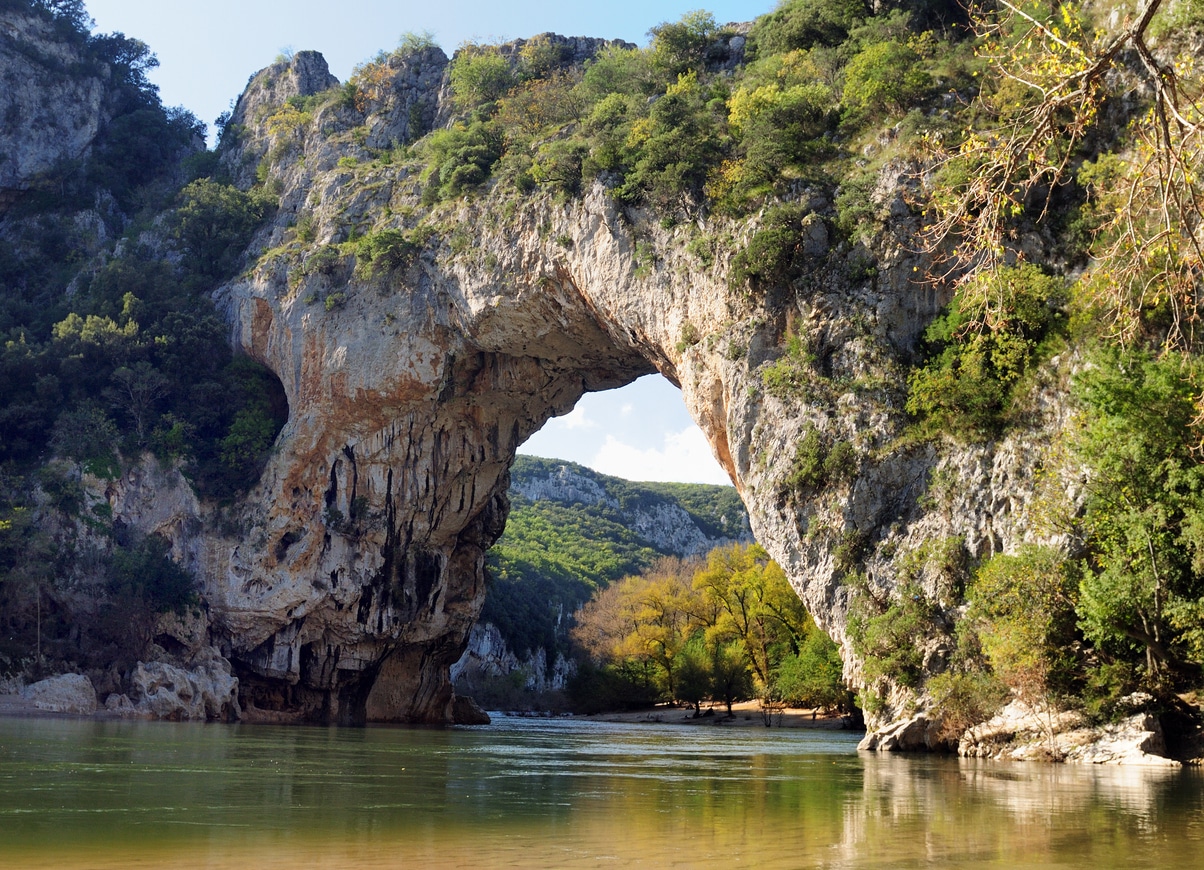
{"x": 489, "y": 656}
{"x": 51, "y": 114}
{"x": 358, "y": 573}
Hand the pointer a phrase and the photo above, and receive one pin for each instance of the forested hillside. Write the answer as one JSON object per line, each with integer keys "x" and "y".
{"x": 572, "y": 531}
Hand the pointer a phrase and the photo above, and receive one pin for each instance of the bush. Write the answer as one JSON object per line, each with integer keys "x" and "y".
{"x": 963, "y": 700}
{"x": 1023, "y": 609}
{"x": 146, "y": 573}
{"x": 773, "y": 256}
{"x": 884, "y": 78}
{"x": 804, "y": 24}
{"x": 980, "y": 349}
{"x": 385, "y": 252}
{"x": 814, "y": 676}
{"x": 480, "y": 75}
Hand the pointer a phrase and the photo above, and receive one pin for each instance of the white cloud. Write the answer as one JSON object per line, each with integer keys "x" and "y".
{"x": 686, "y": 457}
{"x": 576, "y": 419}
{"x": 626, "y": 410}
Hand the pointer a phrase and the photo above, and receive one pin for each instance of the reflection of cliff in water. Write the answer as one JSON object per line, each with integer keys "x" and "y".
{"x": 1052, "y": 814}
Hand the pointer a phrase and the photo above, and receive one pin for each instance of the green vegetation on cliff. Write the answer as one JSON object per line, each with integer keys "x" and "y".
{"x": 110, "y": 347}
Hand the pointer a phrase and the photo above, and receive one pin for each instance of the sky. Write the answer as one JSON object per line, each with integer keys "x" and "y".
{"x": 209, "y": 50}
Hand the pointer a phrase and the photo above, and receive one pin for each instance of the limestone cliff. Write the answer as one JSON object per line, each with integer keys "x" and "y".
{"x": 358, "y": 577}
{"x": 345, "y": 585}
{"x": 52, "y": 113}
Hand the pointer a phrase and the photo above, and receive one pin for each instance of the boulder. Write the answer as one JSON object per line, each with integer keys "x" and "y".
{"x": 66, "y": 693}
{"x": 163, "y": 691}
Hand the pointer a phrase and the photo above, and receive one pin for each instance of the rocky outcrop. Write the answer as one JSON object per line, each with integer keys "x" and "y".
{"x": 1023, "y": 732}
{"x": 488, "y": 656}
{"x": 357, "y": 575}
{"x": 51, "y": 102}
{"x": 66, "y": 693}
{"x": 163, "y": 691}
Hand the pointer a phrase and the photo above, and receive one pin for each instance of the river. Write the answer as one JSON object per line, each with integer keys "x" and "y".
{"x": 560, "y": 793}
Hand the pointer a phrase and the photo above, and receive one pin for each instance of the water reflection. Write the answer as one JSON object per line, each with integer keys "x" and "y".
{"x": 529, "y": 793}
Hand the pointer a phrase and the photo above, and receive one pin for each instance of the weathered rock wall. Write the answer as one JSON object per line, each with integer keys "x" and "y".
{"x": 358, "y": 574}
{"x": 51, "y": 102}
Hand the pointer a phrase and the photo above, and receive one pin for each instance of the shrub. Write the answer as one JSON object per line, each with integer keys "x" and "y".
{"x": 385, "y": 252}
{"x": 796, "y": 24}
{"x": 479, "y": 75}
{"x": 884, "y": 78}
{"x": 814, "y": 676}
{"x": 963, "y": 700}
{"x": 1022, "y": 608}
{"x": 773, "y": 256}
{"x": 890, "y": 639}
{"x": 979, "y": 350}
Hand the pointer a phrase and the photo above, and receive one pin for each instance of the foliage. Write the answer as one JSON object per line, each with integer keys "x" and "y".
{"x": 145, "y": 572}
{"x": 724, "y": 630}
{"x": 890, "y": 637}
{"x": 213, "y": 223}
{"x": 679, "y": 47}
{"x": 1144, "y": 512}
{"x": 459, "y": 158}
{"x": 814, "y": 676}
{"x": 818, "y": 464}
{"x": 1023, "y": 610}
{"x": 1053, "y": 74}
{"x": 963, "y": 699}
{"x": 385, "y": 252}
{"x": 479, "y": 74}
{"x": 773, "y": 256}
{"x": 803, "y": 24}
{"x": 885, "y": 77}
{"x": 980, "y": 349}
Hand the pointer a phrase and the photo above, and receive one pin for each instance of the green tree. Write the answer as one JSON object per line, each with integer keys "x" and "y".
{"x": 1022, "y": 608}
{"x": 1144, "y": 510}
{"x": 214, "y": 223}
{"x": 480, "y": 75}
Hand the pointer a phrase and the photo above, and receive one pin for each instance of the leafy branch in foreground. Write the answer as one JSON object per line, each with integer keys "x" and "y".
{"x": 1053, "y": 75}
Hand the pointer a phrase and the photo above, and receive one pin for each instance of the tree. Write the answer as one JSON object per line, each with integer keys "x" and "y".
{"x": 1144, "y": 511}
{"x": 136, "y": 389}
{"x": 1054, "y": 73}
{"x": 680, "y": 46}
{"x": 214, "y": 223}
{"x": 814, "y": 676}
{"x": 753, "y": 604}
{"x": 1023, "y": 609}
{"x": 479, "y": 75}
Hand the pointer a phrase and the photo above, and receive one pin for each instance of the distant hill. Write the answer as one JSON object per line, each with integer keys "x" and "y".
{"x": 572, "y": 530}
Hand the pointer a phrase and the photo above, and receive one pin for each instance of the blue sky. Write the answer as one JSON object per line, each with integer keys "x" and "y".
{"x": 208, "y": 50}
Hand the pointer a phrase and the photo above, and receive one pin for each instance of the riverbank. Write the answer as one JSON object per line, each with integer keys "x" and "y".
{"x": 746, "y": 714}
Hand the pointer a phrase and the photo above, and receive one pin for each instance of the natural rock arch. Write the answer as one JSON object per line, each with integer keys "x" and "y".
{"x": 355, "y": 574}
{"x": 361, "y": 572}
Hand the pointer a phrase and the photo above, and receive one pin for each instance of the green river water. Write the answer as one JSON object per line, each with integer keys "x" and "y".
{"x": 556, "y": 793}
